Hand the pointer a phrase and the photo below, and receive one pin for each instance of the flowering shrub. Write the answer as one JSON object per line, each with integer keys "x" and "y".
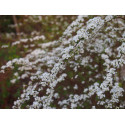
{"x": 84, "y": 68}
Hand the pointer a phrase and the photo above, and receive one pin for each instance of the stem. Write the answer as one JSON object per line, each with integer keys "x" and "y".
{"x": 16, "y": 26}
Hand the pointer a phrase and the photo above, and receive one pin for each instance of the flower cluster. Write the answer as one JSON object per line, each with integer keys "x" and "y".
{"x": 82, "y": 69}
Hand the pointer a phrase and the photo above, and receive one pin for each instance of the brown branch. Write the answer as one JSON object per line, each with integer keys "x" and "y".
{"x": 16, "y": 26}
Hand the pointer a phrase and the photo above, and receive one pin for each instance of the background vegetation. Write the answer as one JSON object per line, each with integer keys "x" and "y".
{"x": 14, "y": 28}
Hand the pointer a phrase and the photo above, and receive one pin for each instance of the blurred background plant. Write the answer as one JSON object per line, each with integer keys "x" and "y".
{"x": 13, "y": 28}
